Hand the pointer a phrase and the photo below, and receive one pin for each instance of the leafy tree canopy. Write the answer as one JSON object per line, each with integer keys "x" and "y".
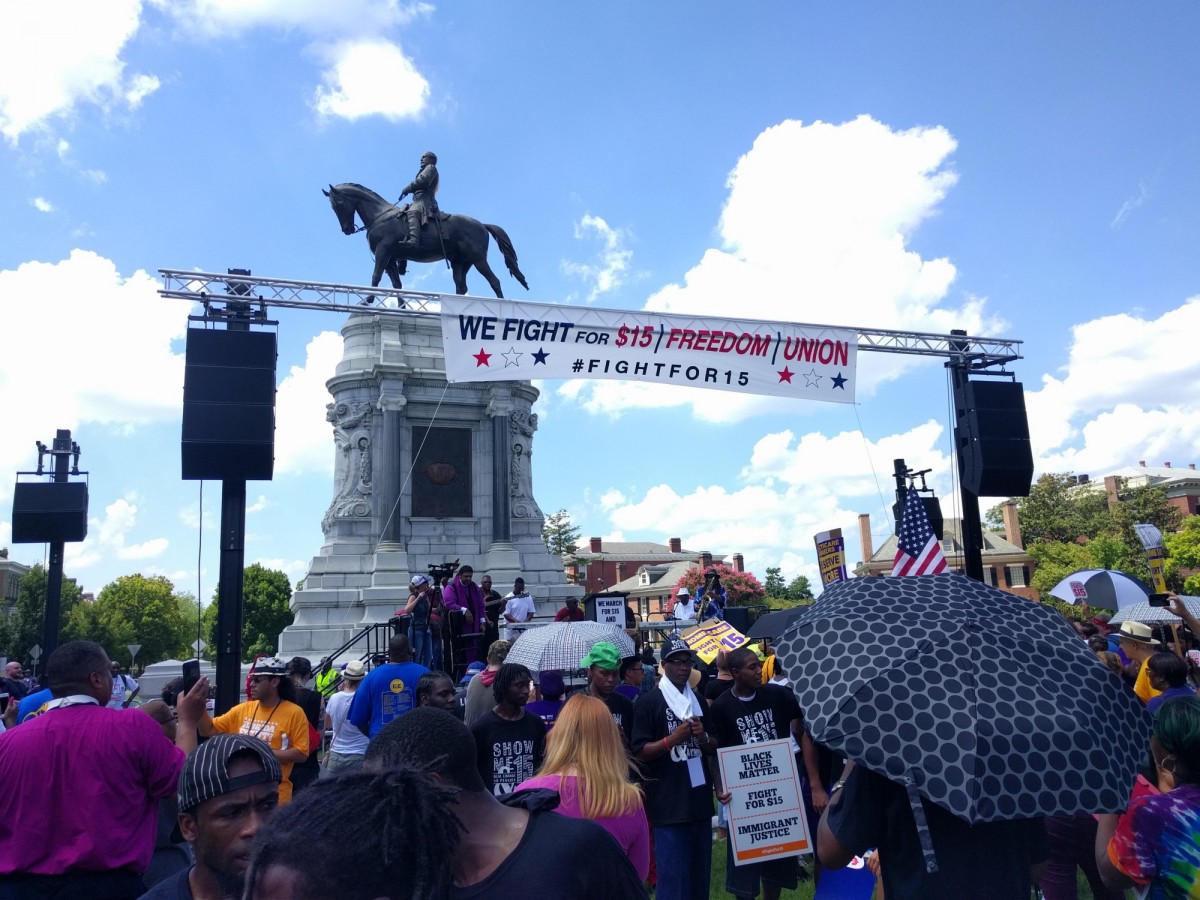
{"x": 560, "y": 534}
{"x": 742, "y": 588}
{"x": 25, "y": 627}
{"x": 266, "y": 612}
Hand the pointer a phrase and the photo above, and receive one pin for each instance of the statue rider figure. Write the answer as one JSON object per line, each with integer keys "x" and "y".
{"x": 424, "y": 196}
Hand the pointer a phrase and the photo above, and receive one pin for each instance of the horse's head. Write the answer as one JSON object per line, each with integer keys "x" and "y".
{"x": 342, "y": 208}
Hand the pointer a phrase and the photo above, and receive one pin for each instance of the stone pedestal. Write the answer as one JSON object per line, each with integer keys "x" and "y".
{"x": 426, "y": 472}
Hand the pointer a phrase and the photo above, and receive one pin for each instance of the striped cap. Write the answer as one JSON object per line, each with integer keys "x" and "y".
{"x": 206, "y": 773}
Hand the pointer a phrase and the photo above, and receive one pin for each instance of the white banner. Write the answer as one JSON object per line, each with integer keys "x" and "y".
{"x": 500, "y": 340}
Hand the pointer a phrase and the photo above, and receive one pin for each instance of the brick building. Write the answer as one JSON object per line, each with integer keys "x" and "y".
{"x": 603, "y": 565}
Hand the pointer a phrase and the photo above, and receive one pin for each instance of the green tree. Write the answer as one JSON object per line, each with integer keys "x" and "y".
{"x": 137, "y": 609}
{"x": 799, "y": 589}
{"x": 774, "y": 585}
{"x": 265, "y": 613}
{"x": 560, "y": 534}
{"x": 25, "y": 627}
{"x": 1058, "y": 511}
{"x": 742, "y": 588}
{"x": 1183, "y": 557}
{"x": 1055, "y": 561}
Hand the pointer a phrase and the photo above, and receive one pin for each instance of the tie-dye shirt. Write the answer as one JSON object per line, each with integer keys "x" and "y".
{"x": 1157, "y": 843}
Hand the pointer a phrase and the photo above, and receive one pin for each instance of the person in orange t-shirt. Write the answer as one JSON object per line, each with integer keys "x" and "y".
{"x": 272, "y": 716}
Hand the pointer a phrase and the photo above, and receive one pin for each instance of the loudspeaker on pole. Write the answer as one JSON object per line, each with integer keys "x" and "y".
{"x": 992, "y": 435}
{"x": 229, "y": 405}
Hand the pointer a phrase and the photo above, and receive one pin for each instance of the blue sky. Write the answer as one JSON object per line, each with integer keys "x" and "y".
{"x": 1018, "y": 170}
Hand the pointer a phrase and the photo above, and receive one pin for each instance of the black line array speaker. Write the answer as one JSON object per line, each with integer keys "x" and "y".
{"x": 996, "y": 459}
{"x": 45, "y": 512}
{"x": 738, "y": 617}
{"x": 229, "y": 406}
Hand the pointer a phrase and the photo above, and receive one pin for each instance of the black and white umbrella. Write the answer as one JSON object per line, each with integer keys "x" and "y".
{"x": 987, "y": 704}
{"x": 562, "y": 645}
{"x": 1102, "y": 588}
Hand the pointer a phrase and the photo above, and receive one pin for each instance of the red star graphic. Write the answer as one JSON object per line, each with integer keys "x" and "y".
{"x": 481, "y": 358}
{"x": 786, "y": 375}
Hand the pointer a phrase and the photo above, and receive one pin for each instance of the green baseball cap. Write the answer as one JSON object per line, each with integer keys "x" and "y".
{"x": 604, "y": 654}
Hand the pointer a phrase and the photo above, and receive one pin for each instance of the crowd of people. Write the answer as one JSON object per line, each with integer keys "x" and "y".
{"x": 600, "y": 781}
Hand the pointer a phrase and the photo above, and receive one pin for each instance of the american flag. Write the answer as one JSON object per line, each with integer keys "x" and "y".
{"x": 917, "y": 549}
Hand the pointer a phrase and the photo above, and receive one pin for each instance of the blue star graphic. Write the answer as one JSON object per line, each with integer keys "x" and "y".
{"x": 839, "y": 381}
{"x": 539, "y": 357}
{"x": 512, "y": 357}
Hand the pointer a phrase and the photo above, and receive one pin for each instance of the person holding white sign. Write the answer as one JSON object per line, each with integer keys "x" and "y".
{"x": 518, "y": 609}
{"x": 670, "y": 736}
{"x": 753, "y": 713}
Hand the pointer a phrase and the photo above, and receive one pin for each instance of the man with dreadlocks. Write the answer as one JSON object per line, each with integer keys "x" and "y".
{"x": 393, "y": 813}
{"x": 510, "y": 742}
{"x": 507, "y": 846}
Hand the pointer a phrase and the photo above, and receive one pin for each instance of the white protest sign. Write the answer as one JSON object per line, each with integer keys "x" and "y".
{"x": 610, "y": 611}
{"x": 766, "y": 814}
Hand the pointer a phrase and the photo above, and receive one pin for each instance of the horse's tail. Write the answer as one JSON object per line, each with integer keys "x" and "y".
{"x": 510, "y": 255}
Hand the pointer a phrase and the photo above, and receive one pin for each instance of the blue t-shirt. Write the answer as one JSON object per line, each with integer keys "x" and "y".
{"x": 387, "y": 692}
{"x": 32, "y": 703}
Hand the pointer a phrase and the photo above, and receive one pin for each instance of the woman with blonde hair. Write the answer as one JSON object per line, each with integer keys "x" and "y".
{"x": 587, "y": 764}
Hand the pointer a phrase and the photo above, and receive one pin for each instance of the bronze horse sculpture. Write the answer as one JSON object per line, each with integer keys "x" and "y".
{"x": 461, "y": 241}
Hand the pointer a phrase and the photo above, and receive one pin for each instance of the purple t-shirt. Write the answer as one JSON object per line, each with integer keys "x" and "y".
{"x": 631, "y": 829}
{"x": 546, "y": 710}
{"x": 82, "y": 790}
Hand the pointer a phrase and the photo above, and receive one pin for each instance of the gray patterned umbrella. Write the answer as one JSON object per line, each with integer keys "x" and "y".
{"x": 562, "y": 645}
{"x": 986, "y": 703}
{"x": 1154, "y": 615}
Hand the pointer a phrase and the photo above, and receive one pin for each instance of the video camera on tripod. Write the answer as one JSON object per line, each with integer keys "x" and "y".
{"x": 439, "y": 571}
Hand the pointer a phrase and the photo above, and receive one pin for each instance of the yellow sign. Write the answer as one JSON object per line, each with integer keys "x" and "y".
{"x": 712, "y": 637}
{"x": 397, "y": 685}
{"x": 1156, "y": 557}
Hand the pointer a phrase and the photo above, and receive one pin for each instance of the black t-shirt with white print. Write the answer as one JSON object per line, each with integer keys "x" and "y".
{"x": 767, "y": 716}
{"x": 507, "y": 753}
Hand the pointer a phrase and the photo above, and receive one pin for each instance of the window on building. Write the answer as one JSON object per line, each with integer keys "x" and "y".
{"x": 989, "y": 575}
{"x": 1016, "y": 576}
{"x": 12, "y": 587}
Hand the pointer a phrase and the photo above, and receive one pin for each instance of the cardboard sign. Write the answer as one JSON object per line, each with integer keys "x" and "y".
{"x": 610, "y": 611}
{"x": 831, "y": 556}
{"x": 712, "y": 637}
{"x": 766, "y": 814}
{"x": 1078, "y": 590}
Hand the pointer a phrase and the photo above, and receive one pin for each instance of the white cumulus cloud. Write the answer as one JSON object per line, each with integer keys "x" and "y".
{"x": 303, "y": 438}
{"x": 69, "y": 355}
{"x": 107, "y": 537}
{"x": 57, "y": 56}
{"x": 370, "y": 78}
{"x": 610, "y": 268}
{"x": 41, "y": 204}
{"x": 816, "y": 228}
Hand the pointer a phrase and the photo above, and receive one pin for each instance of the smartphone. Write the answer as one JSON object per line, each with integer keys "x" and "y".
{"x": 191, "y": 674}
{"x": 1159, "y": 599}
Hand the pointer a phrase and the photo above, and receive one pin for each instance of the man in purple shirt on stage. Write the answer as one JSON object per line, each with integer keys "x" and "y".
{"x": 463, "y": 593}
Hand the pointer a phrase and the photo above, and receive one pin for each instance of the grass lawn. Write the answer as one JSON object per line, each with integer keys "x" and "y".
{"x": 805, "y": 889}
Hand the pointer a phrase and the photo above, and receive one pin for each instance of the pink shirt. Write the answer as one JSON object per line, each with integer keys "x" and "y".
{"x": 631, "y": 830}
{"x": 81, "y": 787}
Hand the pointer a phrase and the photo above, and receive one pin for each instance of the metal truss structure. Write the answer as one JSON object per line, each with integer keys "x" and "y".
{"x": 248, "y": 291}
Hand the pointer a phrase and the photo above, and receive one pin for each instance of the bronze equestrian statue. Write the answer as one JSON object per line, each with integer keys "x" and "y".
{"x": 424, "y": 195}
{"x": 460, "y": 240}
